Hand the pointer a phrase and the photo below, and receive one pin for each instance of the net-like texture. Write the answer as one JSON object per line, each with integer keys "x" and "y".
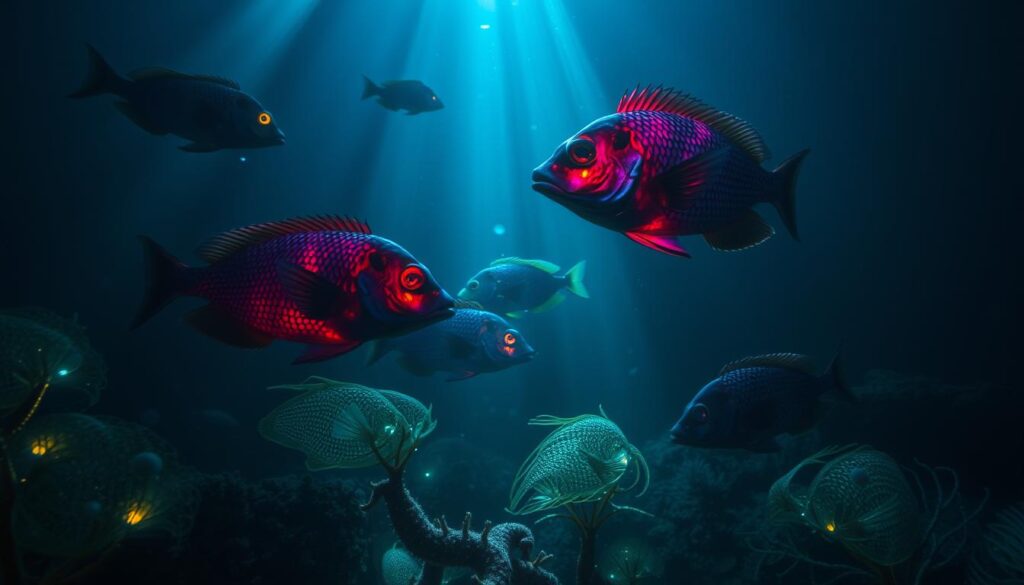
{"x": 578, "y": 462}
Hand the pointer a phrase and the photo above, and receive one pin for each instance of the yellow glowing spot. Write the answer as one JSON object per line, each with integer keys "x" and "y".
{"x": 585, "y": 173}
{"x": 41, "y": 445}
{"x": 264, "y": 119}
{"x": 831, "y": 527}
{"x": 136, "y": 513}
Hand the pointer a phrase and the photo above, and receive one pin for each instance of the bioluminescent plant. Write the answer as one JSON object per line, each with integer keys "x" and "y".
{"x": 894, "y": 528}
{"x": 578, "y": 469}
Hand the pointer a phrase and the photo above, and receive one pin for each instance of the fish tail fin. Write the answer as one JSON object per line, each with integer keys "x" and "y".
{"x": 785, "y": 196}
{"x": 163, "y": 280}
{"x": 574, "y": 280}
{"x": 378, "y": 349}
{"x": 101, "y": 77}
{"x": 370, "y": 88}
{"x": 836, "y": 377}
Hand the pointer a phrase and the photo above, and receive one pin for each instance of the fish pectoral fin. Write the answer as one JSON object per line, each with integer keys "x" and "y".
{"x": 746, "y": 232}
{"x": 765, "y": 445}
{"x": 216, "y": 323}
{"x": 315, "y": 296}
{"x": 199, "y": 148}
{"x": 133, "y": 114}
{"x": 322, "y": 352}
{"x": 664, "y": 244}
{"x": 460, "y": 376}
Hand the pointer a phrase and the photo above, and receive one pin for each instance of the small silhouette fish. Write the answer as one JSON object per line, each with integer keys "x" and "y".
{"x": 212, "y": 112}
{"x": 408, "y": 94}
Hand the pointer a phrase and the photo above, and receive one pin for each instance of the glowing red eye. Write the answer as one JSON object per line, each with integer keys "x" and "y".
{"x": 413, "y": 278}
{"x": 582, "y": 151}
{"x": 510, "y": 339}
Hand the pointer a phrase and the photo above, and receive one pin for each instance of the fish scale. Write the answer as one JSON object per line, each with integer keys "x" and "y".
{"x": 246, "y": 283}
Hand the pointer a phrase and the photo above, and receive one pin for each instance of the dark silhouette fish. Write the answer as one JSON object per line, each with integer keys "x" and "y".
{"x": 515, "y": 286}
{"x": 756, "y": 398}
{"x": 666, "y": 165}
{"x": 212, "y": 112}
{"x": 470, "y": 343}
{"x": 407, "y": 94}
{"x": 323, "y": 281}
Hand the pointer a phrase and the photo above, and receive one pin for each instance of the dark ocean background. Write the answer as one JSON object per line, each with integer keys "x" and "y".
{"x": 909, "y": 209}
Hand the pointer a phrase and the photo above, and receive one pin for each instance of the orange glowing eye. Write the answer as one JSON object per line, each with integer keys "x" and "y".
{"x": 264, "y": 119}
{"x": 413, "y": 278}
{"x": 510, "y": 339}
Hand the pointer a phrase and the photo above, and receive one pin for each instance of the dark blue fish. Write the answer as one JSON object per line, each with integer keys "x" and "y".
{"x": 756, "y": 398}
{"x": 407, "y": 94}
{"x": 212, "y": 112}
{"x": 465, "y": 345}
{"x": 514, "y": 286}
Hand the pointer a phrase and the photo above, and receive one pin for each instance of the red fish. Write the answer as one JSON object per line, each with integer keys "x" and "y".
{"x": 666, "y": 165}
{"x": 323, "y": 281}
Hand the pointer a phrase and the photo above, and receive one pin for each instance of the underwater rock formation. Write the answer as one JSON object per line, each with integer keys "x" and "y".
{"x": 344, "y": 425}
{"x": 999, "y": 558}
{"x": 862, "y": 500}
{"x": 579, "y": 467}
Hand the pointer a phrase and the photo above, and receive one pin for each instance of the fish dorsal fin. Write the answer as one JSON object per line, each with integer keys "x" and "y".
{"x": 228, "y": 243}
{"x": 788, "y": 361}
{"x": 666, "y": 99}
{"x": 164, "y": 73}
{"x": 542, "y": 265}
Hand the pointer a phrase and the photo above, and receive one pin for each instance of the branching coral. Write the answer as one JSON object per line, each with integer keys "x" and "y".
{"x": 862, "y": 500}
{"x": 346, "y": 425}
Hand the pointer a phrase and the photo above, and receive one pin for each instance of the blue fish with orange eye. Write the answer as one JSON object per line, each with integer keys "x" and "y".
{"x": 666, "y": 165}
{"x": 515, "y": 286}
{"x": 212, "y": 112}
{"x": 757, "y": 398}
{"x": 470, "y": 343}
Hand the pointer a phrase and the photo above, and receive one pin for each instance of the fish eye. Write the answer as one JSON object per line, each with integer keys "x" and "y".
{"x": 582, "y": 151}
{"x": 433, "y": 97}
{"x": 620, "y": 140}
{"x": 698, "y": 414}
{"x": 473, "y": 284}
{"x": 264, "y": 119}
{"x": 412, "y": 278}
{"x": 510, "y": 338}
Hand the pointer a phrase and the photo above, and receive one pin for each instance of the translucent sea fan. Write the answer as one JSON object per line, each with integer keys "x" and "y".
{"x": 86, "y": 483}
{"x": 578, "y": 462}
{"x": 863, "y": 500}
{"x": 39, "y": 348}
{"x": 343, "y": 425}
{"x": 999, "y": 558}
